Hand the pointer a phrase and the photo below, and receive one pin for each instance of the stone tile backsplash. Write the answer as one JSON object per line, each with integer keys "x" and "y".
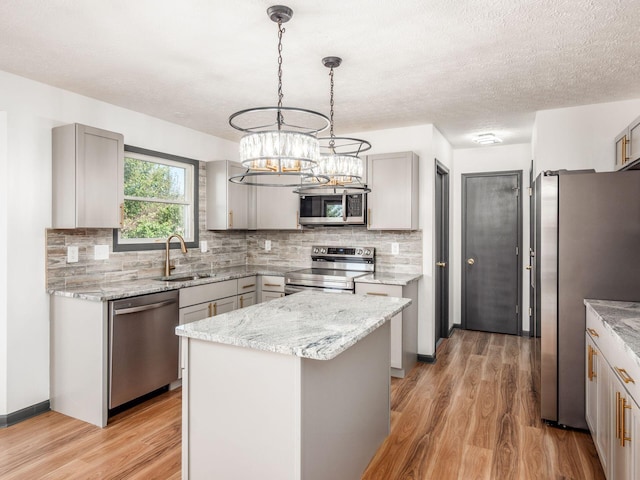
{"x": 288, "y": 248}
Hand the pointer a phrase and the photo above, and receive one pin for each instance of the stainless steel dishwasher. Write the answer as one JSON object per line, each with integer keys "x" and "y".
{"x": 143, "y": 346}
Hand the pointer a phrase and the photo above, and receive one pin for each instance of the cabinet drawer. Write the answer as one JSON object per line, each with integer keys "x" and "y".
{"x": 247, "y": 284}
{"x": 379, "y": 289}
{"x": 246, "y": 299}
{"x": 208, "y": 292}
{"x": 272, "y": 283}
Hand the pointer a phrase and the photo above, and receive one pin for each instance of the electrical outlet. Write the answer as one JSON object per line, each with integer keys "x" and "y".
{"x": 101, "y": 252}
{"x": 72, "y": 254}
{"x": 267, "y": 245}
{"x": 395, "y": 248}
{"x": 203, "y": 246}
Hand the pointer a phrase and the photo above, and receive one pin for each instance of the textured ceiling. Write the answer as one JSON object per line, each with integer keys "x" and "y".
{"x": 467, "y": 66}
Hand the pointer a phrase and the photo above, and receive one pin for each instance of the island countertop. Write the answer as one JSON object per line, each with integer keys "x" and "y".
{"x": 315, "y": 325}
{"x": 622, "y": 319}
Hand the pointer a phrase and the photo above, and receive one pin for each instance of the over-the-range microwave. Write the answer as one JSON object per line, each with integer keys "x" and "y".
{"x": 332, "y": 207}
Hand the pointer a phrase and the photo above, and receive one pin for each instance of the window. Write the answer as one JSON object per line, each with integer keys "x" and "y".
{"x": 160, "y": 199}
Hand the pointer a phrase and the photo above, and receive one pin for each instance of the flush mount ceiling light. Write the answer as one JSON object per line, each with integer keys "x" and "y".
{"x": 487, "y": 139}
{"x": 339, "y": 158}
{"x": 279, "y": 141}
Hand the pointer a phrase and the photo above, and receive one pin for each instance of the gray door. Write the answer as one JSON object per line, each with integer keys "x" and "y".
{"x": 491, "y": 238}
{"x": 442, "y": 253}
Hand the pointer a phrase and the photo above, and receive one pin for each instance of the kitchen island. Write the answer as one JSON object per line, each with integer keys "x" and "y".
{"x": 294, "y": 388}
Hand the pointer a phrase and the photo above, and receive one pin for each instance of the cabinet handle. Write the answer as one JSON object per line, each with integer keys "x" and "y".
{"x": 230, "y": 218}
{"x": 249, "y": 286}
{"x": 297, "y": 218}
{"x": 378, "y": 294}
{"x": 592, "y": 351}
{"x": 441, "y": 264}
{"x": 626, "y": 378}
{"x": 271, "y": 284}
{"x": 215, "y": 308}
{"x": 241, "y": 302}
{"x": 210, "y": 310}
{"x": 593, "y": 332}
{"x": 618, "y": 415}
{"x": 122, "y": 215}
{"x": 624, "y": 150}
{"x": 368, "y": 217}
{"x": 623, "y": 421}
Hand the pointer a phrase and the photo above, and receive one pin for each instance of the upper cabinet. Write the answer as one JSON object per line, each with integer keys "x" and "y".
{"x": 88, "y": 184}
{"x": 277, "y": 207}
{"x": 228, "y": 204}
{"x": 628, "y": 147}
{"x": 393, "y": 200}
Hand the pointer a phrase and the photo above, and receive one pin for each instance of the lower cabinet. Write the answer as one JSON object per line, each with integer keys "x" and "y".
{"x": 246, "y": 291}
{"x": 271, "y": 287}
{"x": 404, "y": 326}
{"x": 611, "y": 411}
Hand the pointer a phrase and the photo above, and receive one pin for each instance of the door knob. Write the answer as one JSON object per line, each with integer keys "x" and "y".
{"x": 470, "y": 261}
{"x": 441, "y": 264}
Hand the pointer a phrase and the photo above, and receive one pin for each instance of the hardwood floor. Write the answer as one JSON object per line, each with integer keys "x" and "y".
{"x": 471, "y": 415}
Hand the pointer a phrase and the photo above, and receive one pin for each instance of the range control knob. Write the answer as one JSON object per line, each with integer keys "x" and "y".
{"x": 323, "y": 251}
{"x": 359, "y": 251}
{"x": 315, "y": 249}
{"x": 367, "y": 252}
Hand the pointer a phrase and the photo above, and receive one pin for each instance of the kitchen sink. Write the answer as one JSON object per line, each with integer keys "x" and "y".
{"x": 185, "y": 278}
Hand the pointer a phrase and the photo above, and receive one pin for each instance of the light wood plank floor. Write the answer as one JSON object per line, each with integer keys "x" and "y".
{"x": 471, "y": 415}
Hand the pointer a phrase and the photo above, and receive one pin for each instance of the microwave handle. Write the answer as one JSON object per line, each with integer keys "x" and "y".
{"x": 344, "y": 206}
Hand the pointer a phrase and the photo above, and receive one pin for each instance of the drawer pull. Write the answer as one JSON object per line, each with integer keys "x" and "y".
{"x": 272, "y": 285}
{"x": 593, "y": 332}
{"x": 618, "y": 415}
{"x": 241, "y": 302}
{"x": 210, "y": 310}
{"x": 378, "y": 294}
{"x": 592, "y": 351}
{"x": 626, "y": 378}
{"x": 623, "y": 421}
{"x": 249, "y": 286}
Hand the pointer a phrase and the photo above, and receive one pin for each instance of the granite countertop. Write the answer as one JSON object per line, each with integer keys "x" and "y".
{"x": 389, "y": 278}
{"x": 622, "y": 319}
{"x": 316, "y": 325}
{"x": 143, "y": 286}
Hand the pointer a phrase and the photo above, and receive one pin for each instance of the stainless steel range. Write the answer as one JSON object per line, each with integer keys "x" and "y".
{"x": 334, "y": 270}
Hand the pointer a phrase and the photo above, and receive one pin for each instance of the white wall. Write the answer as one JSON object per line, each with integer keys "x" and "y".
{"x": 488, "y": 159}
{"x": 32, "y": 110}
{"x": 580, "y": 137}
{"x": 429, "y": 144}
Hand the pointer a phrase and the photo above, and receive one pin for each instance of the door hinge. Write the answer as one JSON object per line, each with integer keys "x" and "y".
{"x": 530, "y": 192}
{"x": 517, "y": 190}
{"x": 517, "y": 309}
{"x": 517, "y": 251}
{"x": 530, "y": 311}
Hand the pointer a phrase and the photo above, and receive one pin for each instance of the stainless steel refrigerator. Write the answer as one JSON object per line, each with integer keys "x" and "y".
{"x": 587, "y": 245}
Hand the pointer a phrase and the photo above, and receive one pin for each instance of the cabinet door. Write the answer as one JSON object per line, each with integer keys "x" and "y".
{"x": 238, "y": 198}
{"x": 605, "y": 419}
{"x": 635, "y": 440}
{"x": 246, "y": 299}
{"x": 393, "y": 200}
{"x": 194, "y": 313}
{"x": 227, "y": 202}
{"x": 224, "y": 305}
{"x": 277, "y": 207}
{"x": 622, "y": 420}
{"x": 591, "y": 386}
{"x": 266, "y": 296}
{"x": 88, "y": 177}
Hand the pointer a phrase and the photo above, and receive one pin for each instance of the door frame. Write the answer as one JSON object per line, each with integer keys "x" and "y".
{"x": 463, "y": 277}
{"x": 445, "y": 329}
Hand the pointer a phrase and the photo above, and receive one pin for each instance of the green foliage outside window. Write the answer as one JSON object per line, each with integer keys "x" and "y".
{"x": 154, "y": 199}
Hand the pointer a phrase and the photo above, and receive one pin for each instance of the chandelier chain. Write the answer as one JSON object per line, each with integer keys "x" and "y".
{"x": 280, "y": 33}
{"x": 331, "y": 134}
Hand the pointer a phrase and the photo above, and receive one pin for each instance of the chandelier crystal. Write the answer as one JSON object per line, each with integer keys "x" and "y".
{"x": 279, "y": 141}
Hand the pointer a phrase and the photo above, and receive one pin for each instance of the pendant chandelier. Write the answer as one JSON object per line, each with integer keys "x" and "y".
{"x": 339, "y": 158}
{"x": 279, "y": 141}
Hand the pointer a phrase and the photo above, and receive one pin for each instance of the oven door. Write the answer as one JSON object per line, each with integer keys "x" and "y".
{"x": 291, "y": 289}
{"x": 332, "y": 209}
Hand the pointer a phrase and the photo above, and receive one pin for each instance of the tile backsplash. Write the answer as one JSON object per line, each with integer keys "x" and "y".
{"x": 225, "y": 248}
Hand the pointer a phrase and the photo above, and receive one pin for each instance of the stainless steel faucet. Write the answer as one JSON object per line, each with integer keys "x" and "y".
{"x": 167, "y": 264}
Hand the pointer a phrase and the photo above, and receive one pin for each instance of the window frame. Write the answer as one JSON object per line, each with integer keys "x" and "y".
{"x": 160, "y": 245}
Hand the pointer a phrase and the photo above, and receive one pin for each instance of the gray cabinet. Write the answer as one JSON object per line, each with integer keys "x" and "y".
{"x": 622, "y": 146}
{"x": 271, "y": 287}
{"x": 628, "y": 147}
{"x": 88, "y": 177}
{"x": 393, "y": 200}
{"x": 227, "y": 203}
{"x": 277, "y": 207}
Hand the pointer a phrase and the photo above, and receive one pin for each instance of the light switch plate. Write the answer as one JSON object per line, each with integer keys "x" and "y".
{"x": 203, "y": 246}
{"x": 101, "y": 252}
{"x": 395, "y": 248}
{"x": 72, "y": 254}
{"x": 267, "y": 245}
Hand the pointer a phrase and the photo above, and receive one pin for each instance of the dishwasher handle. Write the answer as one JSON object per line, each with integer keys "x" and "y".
{"x": 143, "y": 308}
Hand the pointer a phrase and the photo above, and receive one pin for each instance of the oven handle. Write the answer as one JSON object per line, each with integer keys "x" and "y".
{"x": 344, "y": 206}
{"x": 291, "y": 289}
